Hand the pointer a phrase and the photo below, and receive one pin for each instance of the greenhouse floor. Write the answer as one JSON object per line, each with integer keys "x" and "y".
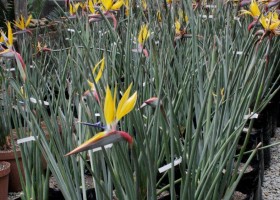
{"x": 271, "y": 184}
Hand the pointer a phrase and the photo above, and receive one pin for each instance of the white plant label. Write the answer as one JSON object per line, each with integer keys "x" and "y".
{"x": 211, "y": 6}
{"x": 206, "y": 16}
{"x": 245, "y": 129}
{"x": 168, "y": 166}
{"x": 33, "y": 100}
{"x": 27, "y": 139}
{"x": 251, "y": 116}
{"x": 238, "y": 20}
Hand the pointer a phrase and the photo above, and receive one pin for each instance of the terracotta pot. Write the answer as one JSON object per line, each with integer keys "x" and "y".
{"x": 14, "y": 180}
{"x": 4, "y": 179}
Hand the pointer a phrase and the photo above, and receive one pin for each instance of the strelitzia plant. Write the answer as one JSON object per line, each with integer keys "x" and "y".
{"x": 92, "y": 90}
{"x": 41, "y": 48}
{"x": 22, "y": 25}
{"x": 254, "y": 11}
{"x": 108, "y": 6}
{"x": 203, "y": 128}
{"x": 8, "y": 51}
{"x": 179, "y": 30}
{"x": 90, "y": 6}
{"x": 112, "y": 117}
{"x": 143, "y": 35}
{"x": 73, "y": 8}
{"x": 270, "y": 23}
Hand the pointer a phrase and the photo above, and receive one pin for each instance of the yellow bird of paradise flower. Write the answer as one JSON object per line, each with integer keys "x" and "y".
{"x": 254, "y": 10}
{"x": 107, "y": 6}
{"x": 271, "y": 23}
{"x": 21, "y": 23}
{"x": 8, "y": 40}
{"x": 10, "y": 51}
{"x": 111, "y": 5}
{"x": 73, "y": 8}
{"x": 101, "y": 65}
{"x": 143, "y": 34}
{"x": 91, "y": 6}
{"x": 112, "y": 116}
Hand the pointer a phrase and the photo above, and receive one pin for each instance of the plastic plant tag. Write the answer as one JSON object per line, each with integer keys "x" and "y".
{"x": 71, "y": 30}
{"x": 245, "y": 129}
{"x": 108, "y": 146}
{"x": 211, "y": 6}
{"x": 238, "y": 20}
{"x": 33, "y": 100}
{"x": 26, "y": 139}
{"x": 10, "y": 70}
{"x": 251, "y": 116}
{"x": 168, "y": 166}
{"x": 206, "y": 16}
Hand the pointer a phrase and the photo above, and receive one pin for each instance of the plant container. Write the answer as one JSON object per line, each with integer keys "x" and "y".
{"x": 4, "y": 179}
{"x": 14, "y": 178}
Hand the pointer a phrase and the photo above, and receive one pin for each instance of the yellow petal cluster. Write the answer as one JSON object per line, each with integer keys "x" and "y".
{"x": 73, "y": 8}
{"x": 144, "y": 4}
{"x": 91, "y": 6}
{"x": 143, "y": 35}
{"x": 182, "y": 15}
{"x": 2, "y": 39}
{"x": 10, "y": 35}
{"x": 271, "y": 22}
{"x": 126, "y": 104}
{"x": 101, "y": 66}
{"x": 177, "y": 27}
{"x": 111, "y": 5}
{"x": 254, "y": 9}
{"x": 21, "y": 24}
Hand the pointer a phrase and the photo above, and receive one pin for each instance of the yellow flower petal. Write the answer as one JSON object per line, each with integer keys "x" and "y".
{"x": 143, "y": 34}
{"x": 21, "y": 22}
{"x": 144, "y": 4}
{"x": 71, "y": 11}
{"x": 101, "y": 63}
{"x": 22, "y": 92}
{"x": 18, "y": 24}
{"x": 73, "y": 8}
{"x": 254, "y": 8}
{"x": 109, "y": 107}
{"x": 186, "y": 18}
{"x": 117, "y": 5}
{"x": 28, "y": 21}
{"x": 91, "y": 85}
{"x": 107, "y": 4}
{"x": 91, "y": 6}
{"x": 159, "y": 16}
{"x": 245, "y": 12}
{"x": 1, "y": 37}
{"x": 177, "y": 27}
{"x": 274, "y": 25}
{"x": 10, "y": 35}
{"x": 127, "y": 106}
{"x": 123, "y": 100}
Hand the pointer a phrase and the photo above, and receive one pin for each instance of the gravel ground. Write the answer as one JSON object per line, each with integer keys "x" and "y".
{"x": 271, "y": 184}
